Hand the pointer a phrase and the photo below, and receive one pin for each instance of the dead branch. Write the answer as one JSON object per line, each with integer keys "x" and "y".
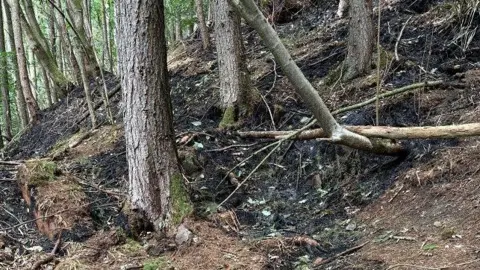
{"x": 346, "y": 252}
{"x": 388, "y": 94}
{"x": 385, "y": 132}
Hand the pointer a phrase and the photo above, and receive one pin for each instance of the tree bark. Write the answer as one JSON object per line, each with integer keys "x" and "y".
{"x": 178, "y": 27}
{"x": 106, "y": 54}
{"x": 360, "y": 40}
{"x": 235, "y": 86}
{"x": 201, "y": 24}
{"x": 394, "y": 133}
{"x": 32, "y": 105}
{"x": 20, "y": 99}
{"x": 7, "y": 117}
{"x": 76, "y": 14}
{"x": 155, "y": 184}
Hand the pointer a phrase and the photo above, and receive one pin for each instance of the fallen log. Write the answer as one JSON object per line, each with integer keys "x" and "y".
{"x": 385, "y": 132}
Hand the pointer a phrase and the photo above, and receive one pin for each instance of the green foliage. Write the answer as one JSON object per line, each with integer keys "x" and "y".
{"x": 155, "y": 264}
{"x": 181, "y": 206}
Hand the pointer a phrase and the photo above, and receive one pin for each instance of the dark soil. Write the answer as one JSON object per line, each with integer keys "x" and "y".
{"x": 313, "y": 189}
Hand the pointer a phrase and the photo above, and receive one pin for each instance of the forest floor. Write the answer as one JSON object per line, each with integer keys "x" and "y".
{"x": 311, "y": 205}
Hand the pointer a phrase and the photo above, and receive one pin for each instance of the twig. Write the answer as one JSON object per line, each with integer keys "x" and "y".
{"x": 379, "y": 56}
{"x": 11, "y": 163}
{"x": 271, "y": 88}
{"x": 346, "y": 252}
{"x": 396, "y": 194}
{"x": 51, "y": 256}
{"x": 231, "y": 146}
{"x": 399, "y": 38}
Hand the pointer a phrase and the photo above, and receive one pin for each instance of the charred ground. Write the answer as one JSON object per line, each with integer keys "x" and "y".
{"x": 310, "y": 200}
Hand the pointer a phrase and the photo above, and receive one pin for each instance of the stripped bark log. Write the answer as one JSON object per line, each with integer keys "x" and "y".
{"x": 393, "y": 133}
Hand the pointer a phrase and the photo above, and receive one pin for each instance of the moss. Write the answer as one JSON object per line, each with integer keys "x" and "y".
{"x": 131, "y": 246}
{"x": 154, "y": 264}
{"x": 181, "y": 206}
{"x": 42, "y": 171}
{"x": 386, "y": 58}
{"x": 228, "y": 118}
{"x": 334, "y": 75}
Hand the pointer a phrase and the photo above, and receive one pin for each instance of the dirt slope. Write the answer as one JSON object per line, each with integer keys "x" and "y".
{"x": 311, "y": 202}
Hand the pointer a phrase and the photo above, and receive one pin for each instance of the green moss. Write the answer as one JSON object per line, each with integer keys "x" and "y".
{"x": 42, "y": 171}
{"x": 154, "y": 264}
{"x": 131, "y": 246}
{"x": 228, "y": 119}
{"x": 386, "y": 58}
{"x": 334, "y": 75}
{"x": 181, "y": 206}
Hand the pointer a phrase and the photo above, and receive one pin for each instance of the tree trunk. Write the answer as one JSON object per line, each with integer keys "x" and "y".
{"x": 155, "y": 184}
{"x": 48, "y": 91}
{"x": 178, "y": 27}
{"x": 360, "y": 40}
{"x": 67, "y": 45}
{"x": 201, "y": 24}
{"x": 20, "y": 99}
{"x": 106, "y": 54}
{"x": 235, "y": 86}
{"x": 76, "y": 14}
{"x": 7, "y": 117}
{"x": 32, "y": 105}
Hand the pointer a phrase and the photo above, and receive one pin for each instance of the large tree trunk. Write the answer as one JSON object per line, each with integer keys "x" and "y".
{"x": 202, "y": 25}
{"x": 32, "y": 105}
{"x": 106, "y": 53}
{"x": 20, "y": 99}
{"x": 155, "y": 183}
{"x": 7, "y": 117}
{"x": 235, "y": 86}
{"x": 360, "y": 40}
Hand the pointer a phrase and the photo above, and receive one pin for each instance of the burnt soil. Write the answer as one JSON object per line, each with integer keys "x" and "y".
{"x": 311, "y": 203}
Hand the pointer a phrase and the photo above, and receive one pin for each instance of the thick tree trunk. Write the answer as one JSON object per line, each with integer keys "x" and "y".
{"x": 106, "y": 54}
{"x": 201, "y": 24}
{"x": 32, "y": 105}
{"x": 7, "y": 117}
{"x": 155, "y": 183}
{"x": 235, "y": 86}
{"x": 48, "y": 91}
{"x": 360, "y": 40}
{"x": 20, "y": 99}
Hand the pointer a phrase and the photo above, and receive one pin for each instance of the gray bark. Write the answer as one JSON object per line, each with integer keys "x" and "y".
{"x": 201, "y": 24}
{"x": 360, "y": 40}
{"x": 151, "y": 151}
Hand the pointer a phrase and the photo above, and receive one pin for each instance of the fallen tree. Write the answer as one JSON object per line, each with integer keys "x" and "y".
{"x": 393, "y": 133}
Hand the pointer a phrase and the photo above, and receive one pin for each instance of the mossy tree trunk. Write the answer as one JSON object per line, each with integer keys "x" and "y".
{"x": 360, "y": 40}
{"x": 7, "y": 117}
{"x": 31, "y": 103}
{"x": 155, "y": 184}
{"x": 20, "y": 99}
{"x": 236, "y": 92}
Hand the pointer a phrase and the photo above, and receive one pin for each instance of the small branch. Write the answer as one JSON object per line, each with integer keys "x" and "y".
{"x": 399, "y": 38}
{"x": 346, "y": 252}
{"x": 51, "y": 256}
{"x": 388, "y": 94}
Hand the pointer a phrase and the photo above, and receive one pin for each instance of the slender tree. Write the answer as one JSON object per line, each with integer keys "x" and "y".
{"x": 32, "y": 105}
{"x": 20, "y": 99}
{"x": 7, "y": 117}
{"x": 155, "y": 184}
{"x": 201, "y": 23}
